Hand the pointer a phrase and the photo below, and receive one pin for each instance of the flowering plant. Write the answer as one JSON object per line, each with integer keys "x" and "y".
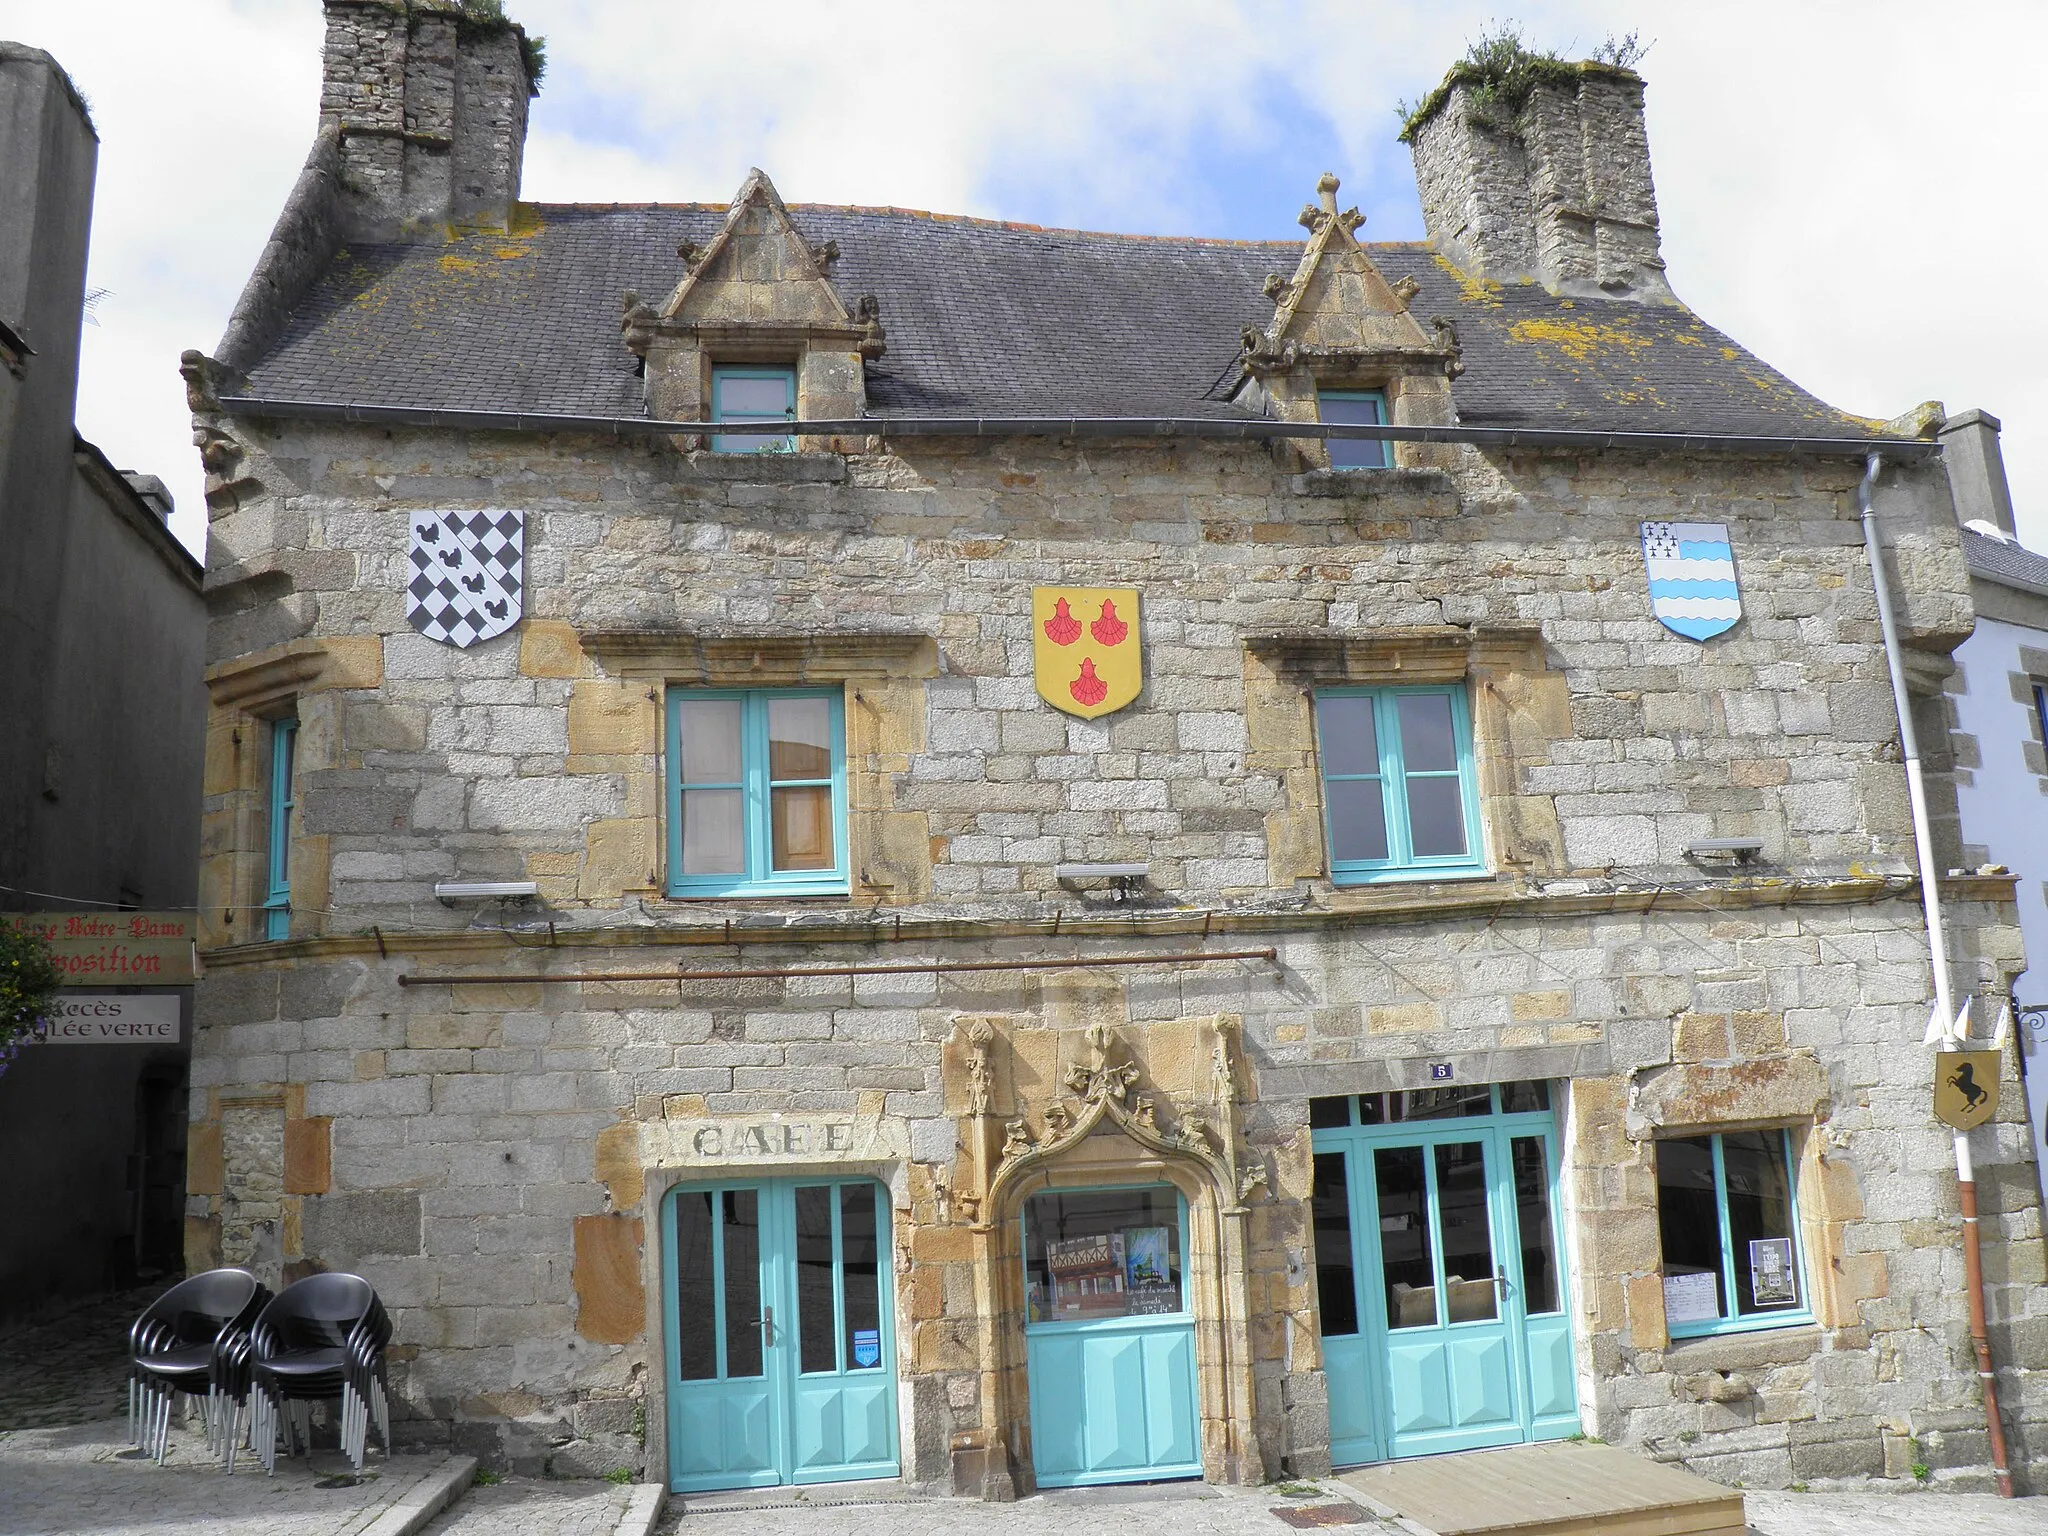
{"x": 28, "y": 985}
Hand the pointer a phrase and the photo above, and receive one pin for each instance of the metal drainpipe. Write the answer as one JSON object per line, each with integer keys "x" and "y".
{"x": 1937, "y": 951}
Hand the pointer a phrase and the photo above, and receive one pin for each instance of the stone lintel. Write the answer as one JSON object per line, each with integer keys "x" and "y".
{"x": 763, "y": 660}
{"x": 297, "y": 667}
{"x": 1395, "y": 1074}
{"x": 1728, "y": 1095}
{"x": 1437, "y": 653}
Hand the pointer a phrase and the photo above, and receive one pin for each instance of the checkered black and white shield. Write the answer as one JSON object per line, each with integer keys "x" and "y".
{"x": 468, "y": 574}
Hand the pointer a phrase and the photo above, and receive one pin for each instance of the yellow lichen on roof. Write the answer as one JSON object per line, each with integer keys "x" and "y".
{"x": 454, "y": 263}
{"x": 1576, "y": 339}
{"x": 1472, "y": 288}
{"x": 1730, "y": 353}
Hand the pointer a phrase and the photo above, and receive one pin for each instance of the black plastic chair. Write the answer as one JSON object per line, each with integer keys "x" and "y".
{"x": 177, "y": 1346}
{"x": 324, "y": 1337}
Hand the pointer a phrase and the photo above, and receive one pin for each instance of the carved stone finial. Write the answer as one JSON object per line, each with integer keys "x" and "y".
{"x": 980, "y": 1080}
{"x": 942, "y": 1198}
{"x": 1276, "y": 286}
{"x": 197, "y": 370}
{"x": 1016, "y": 1141}
{"x": 690, "y": 251}
{"x": 825, "y": 255}
{"x": 218, "y": 452}
{"x": 1447, "y": 343}
{"x": 1264, "y": 355}
{"x": 1144, "y": 1115}
{"x": 637, "y": 322}
{"x": 1349, "y": 220}
{"x": 1405, "y": 290}
{"x": 867, "y": 312}
{"x": 1326, "y": 189}
{"x": 1058, "y": 1120}
{"x": 1311, "y": 217}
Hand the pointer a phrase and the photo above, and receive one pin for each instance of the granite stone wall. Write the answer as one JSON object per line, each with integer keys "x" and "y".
{"x": 493, "y": 1155}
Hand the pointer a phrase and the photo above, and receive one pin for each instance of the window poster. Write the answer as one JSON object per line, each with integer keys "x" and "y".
{"x": 1770, "y": 1272}
{"x": 867, "y": 1348}
{"x": 1693, "y": 1298}
{"x": 1087, "y": 1276}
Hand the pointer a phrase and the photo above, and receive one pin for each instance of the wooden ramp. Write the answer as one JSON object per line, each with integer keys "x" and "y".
{"x": 1558, "y": 1489}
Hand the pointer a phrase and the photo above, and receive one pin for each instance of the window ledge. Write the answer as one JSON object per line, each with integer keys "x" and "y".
{"x": 766, "y": 468}
{"x": 1745, "y": 1351}
{"x": 1396, "y": 480}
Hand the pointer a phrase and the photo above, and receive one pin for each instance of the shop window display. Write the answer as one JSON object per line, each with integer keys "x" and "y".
{"x": 1096, "y": 1254}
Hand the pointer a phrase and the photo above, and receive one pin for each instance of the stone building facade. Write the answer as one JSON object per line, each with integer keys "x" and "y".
{"x": 1095, "y": 1101}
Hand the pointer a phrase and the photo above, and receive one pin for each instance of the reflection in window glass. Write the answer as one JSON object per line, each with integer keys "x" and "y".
{"x": 1725, "y": 1218}
{"x": 1532, "y": 1217}
{"x": 1467, "y": 1228}
{"x": 1360, "y": 408}
{"x": 1441, "y": 1103}
{"x": 1336, "y": 1283}
{"x": 815, "y": 1306}
{"x": 1326, "y": 1114}
{"x": 1524, "y": 1098}
{"x": 1092, "y": 1254}
{"x": 1399, "y": 782}
{"x": 696, "y": 1310}
{"x": 860, "y": 1247}
{"x": 743, "y": 1317}
{"x": 1407, "y": 1269}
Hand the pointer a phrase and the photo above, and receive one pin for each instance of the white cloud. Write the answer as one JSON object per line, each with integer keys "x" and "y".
{"x": 1845, "y": 188}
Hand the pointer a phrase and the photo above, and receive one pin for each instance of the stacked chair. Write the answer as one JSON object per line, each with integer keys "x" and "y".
{"x": 182, "y": 1343}
{"x": 324, "y": 1337}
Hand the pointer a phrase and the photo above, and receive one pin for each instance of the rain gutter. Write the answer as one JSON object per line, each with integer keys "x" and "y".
{"x": 1945, "y": 1014}
{"x": 1219, "y": 428}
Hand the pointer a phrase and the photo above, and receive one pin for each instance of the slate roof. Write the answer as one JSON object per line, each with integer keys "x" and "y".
{"x": 985, "y": 319}
{"x": 2010, "y": 565}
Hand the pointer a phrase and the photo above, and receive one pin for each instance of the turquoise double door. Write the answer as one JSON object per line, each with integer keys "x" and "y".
{"x": 781, "y": 1352}
{"x": 1438, "y": 1265}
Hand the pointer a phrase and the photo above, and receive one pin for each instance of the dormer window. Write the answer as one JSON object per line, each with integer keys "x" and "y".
{"x": 1354, "y": 407}
{"x": 753, "y": 395}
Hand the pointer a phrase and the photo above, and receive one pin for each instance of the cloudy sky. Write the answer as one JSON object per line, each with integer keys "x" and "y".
{"x": 1845, "y": 187}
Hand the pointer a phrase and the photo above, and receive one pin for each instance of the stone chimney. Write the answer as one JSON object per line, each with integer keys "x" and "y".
{"x": 430, "y": 100}
{"x": 1975, "y": 462}
{"x": 1555, "y": 186}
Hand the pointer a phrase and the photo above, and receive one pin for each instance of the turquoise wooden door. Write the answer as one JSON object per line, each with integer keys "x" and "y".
{"x": 1109, "y": 1339}
{"x": 1444, "y": 1327}
{"x": 779, "y": 1338}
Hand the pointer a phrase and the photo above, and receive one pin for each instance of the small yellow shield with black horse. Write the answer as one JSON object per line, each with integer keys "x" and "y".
{"x": 1965, "y": 1087}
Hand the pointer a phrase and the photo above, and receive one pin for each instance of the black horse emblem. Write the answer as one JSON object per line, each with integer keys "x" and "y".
{"x": 1964, "y": 1081}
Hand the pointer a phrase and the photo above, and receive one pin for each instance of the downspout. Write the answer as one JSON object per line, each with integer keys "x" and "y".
{"x": 1937, "y": 953}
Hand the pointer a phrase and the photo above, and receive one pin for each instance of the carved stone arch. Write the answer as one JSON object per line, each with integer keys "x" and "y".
{"x": 1112, "y": 1136}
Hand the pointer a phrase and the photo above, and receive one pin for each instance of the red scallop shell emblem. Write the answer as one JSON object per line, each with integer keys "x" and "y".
{"x": 1109, "y": 629}
{"x": 1088, "y": 689}
{"x": 1062, "y": 628}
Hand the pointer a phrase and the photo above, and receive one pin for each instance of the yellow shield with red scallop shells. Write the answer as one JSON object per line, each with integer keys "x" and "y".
{"x": 1085, "y": 648}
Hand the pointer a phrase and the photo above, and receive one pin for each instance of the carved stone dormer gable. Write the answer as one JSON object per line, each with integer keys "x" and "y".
{"x": 758, "y": 294}
{"x": 1339, "y": 324}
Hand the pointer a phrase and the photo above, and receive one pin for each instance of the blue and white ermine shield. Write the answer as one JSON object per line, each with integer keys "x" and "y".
{"x": 1692, "y": 577}
{"x": 467, "y": 574}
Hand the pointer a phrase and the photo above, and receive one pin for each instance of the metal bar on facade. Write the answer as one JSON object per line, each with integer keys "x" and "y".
{"x": 1234, "y": 429}
{"x": 765, "y": 972}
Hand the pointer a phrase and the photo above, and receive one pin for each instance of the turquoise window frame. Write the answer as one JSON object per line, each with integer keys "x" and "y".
{"x": 1364, "y": 452}
{"x": 760, "y": 878}
{"x": 752, "y": 442}
{"x": 1752, "y": 1322}
{"x": 1401, "y": 862}
{"x": 277, "y": 885}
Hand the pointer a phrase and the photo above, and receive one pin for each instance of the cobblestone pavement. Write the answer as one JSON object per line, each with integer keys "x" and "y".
{"x": 1894, "y": 1514}
{"x": 82, "y": 1480}
{"x": 521, "y": 1506}
{"x": 71, "y": 1368}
